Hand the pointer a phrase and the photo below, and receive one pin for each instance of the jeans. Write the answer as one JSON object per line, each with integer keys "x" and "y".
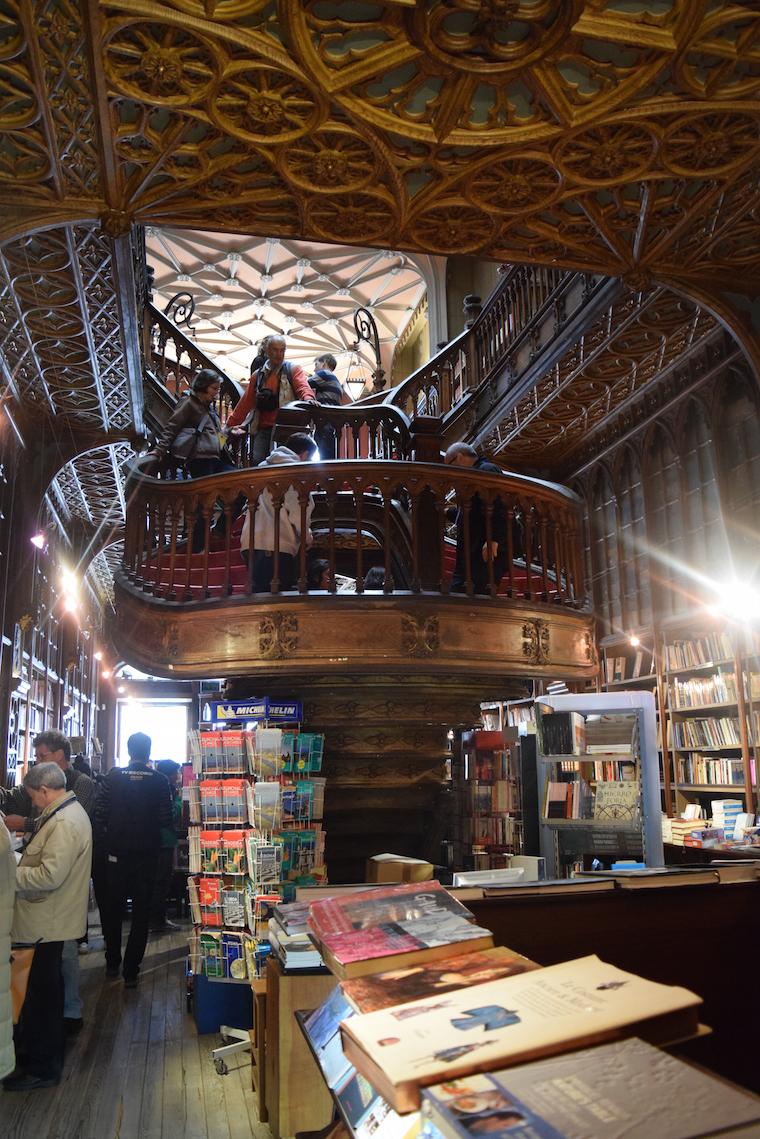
{"x": 262, "y": 445}
{"x": 164, "y": 872}
{"x": 72, "y": 1002}
{"x": 131, "y": 874}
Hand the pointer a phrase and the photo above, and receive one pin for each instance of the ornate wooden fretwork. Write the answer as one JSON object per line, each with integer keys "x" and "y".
{"x": 579, "y": 132}
{"x": 278, "y": 636}
{"x": 617, "y": 139}
{"x": 420, "y": 636}
{"x": 536, "y": 636}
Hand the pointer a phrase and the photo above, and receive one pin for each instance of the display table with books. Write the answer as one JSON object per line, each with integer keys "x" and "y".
{"x": 498, "y": 1044}
{"x": 295, "y": 1094}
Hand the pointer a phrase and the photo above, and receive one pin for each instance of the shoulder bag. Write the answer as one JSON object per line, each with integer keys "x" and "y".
{"x": 186, "y": 440}
{"x": 21, "y": 964}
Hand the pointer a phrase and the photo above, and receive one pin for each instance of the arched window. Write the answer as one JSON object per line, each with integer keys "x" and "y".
{"x": 665, "y": 529}
{"x": 634, "y": 561}
{"x": 738, "y": 436}
{"x": 605, "y": 579}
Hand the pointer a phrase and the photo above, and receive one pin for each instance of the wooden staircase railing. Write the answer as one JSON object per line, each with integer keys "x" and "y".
{"x": 523, "y": 299}
{"x": 174, "y": 358}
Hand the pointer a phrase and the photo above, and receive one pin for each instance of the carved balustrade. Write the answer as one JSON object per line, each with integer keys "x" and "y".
{"x": 515, "y": 310}
{"x": 397, "y": 515}
{"x": 175, "y": 358}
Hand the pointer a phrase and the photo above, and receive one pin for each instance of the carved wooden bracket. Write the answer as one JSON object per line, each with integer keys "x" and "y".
{"x": 278, "y": 636}
{"x": 536, "y": 641}
{"x": 420, "y": 636}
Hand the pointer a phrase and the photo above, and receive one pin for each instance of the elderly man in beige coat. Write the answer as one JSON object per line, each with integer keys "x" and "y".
{"x": 52, "y": 888}
{"x": 7, "y": 892}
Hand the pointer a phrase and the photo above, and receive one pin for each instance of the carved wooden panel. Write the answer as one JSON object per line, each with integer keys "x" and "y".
{"x": 584, "y": 132}
{"x": 335, "y": 637}
{"x": 603, "y": 378}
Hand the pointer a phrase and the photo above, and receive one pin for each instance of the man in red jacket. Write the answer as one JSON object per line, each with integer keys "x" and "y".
{"x": 274, "y": 384}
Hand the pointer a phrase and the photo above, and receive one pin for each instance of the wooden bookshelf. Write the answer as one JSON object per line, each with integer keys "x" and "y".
{"x": 702, "y": 670}
{"x": 708, "y": 682}
{"x": 491, "y": 798}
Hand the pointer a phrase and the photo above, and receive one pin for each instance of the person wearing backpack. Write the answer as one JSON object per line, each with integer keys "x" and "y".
{"x": 329, "y": 391}
{"x": 274, "y": 384}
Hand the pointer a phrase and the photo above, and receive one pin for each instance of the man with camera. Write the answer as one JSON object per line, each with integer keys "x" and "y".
{"x": 274, "y": 384}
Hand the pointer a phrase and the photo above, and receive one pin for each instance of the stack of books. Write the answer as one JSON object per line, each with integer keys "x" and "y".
{"x": 725, "y": 814}
{"x": 288, "y": 934}
{"x": 627, "y": 1088}
{"x": 373, "y": 930}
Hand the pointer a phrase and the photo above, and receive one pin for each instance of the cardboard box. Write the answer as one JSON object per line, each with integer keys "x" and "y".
{"x": 398, "y": 868}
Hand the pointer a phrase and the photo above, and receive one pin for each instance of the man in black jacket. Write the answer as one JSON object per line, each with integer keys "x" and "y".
{"x": 463, "y": 455}
{"x": 133, "y": 805}
{"x": 327, "y": 390}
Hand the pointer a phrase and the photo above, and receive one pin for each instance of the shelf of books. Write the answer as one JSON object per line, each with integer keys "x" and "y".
{"x": 598, "y": 767}
{"x": 711, "y": 732}
{"x": 629, "y": 665}
{"x": 492, "y": 815}
{"x": 256, "y": 806}
{"x": 451, "y": 1041}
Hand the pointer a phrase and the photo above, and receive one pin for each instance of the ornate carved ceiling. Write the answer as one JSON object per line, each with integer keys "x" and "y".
{"x": 62, "y": 341}
{"x": 618, "y": 136}
{"x": 605, "y": 134}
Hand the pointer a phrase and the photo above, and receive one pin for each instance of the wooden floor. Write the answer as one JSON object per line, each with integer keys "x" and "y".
{"x": 138, "y": 1069}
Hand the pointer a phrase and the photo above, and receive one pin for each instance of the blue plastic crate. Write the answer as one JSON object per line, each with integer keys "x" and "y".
{"x": 221, "y": 1002}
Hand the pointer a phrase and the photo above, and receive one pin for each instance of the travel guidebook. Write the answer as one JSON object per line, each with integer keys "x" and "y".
{"x": 625, "y": 1089}
{"x": 411, "y": 982}
{"x": 511, "y": 1021}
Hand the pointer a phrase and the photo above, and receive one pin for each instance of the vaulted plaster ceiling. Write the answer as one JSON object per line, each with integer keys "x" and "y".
{"x": 244, "y": 288}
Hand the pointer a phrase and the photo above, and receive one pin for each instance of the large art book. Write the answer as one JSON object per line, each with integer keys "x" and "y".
{"x": 380, "y": 947}
{"x": 484, "y": 1027}
{"x": 412, "y": 982}
{"x": 628, "y": 1089}
{"x": 372, "y": 907}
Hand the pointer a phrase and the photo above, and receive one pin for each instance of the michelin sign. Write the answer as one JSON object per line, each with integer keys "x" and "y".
{"x": 258, "y": 709}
